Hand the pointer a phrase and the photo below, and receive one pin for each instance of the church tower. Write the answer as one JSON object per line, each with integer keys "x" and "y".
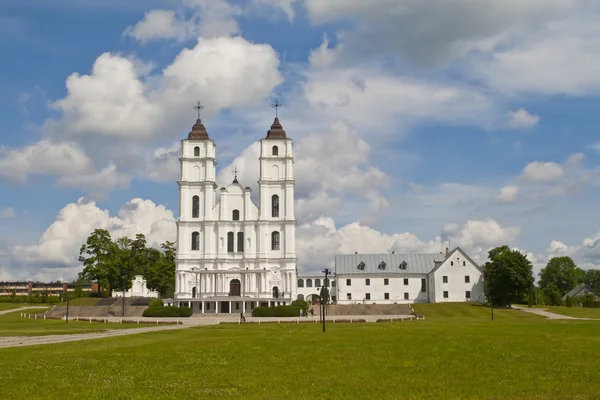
{"x": 233, "y": 256}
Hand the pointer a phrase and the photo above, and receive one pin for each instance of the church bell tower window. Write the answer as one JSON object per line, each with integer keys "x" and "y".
{"x": 275, "y": 206}
{"x": 275, "y": 150}
{"x": 230, "y": 242}
{"x": 196, "y": 151}
{"x": 240, "y": 242}
{"x": 195, "y": 207}
{"x": 195, "y": 241}
{"x": 275, "y": 244}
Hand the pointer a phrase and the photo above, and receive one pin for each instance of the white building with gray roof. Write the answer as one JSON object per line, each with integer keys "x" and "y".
{"x": 402, "y": 278}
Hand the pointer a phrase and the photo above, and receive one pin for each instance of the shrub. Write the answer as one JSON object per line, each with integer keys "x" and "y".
{"x": 35, "y": 299}
{"x": 301, "y": 304}
{"x": 279, "y": 311}
{"x": 156, "y": 303}
{"x": 569, "y": 301}
{"x": 171, "y": 312}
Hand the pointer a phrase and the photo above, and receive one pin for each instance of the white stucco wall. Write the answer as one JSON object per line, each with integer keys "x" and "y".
{"x": 456, "y": 268}
{"x": 396, "y": 288}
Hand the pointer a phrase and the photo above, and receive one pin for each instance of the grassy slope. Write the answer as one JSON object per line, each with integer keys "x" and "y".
{"x": 13, "y": 324}
{"x": 82, "y": 301}
{"x": 576, "y": 312}
{"x": 456, "y": 353}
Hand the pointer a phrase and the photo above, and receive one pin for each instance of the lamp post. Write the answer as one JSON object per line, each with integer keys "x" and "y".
{"x": 323, "y": 296}
{"x": 123, "y": 272}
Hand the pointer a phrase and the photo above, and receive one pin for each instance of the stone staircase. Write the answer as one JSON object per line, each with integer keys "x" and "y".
{"x": 366, "y": 309}
{"x": 109, "y": 308}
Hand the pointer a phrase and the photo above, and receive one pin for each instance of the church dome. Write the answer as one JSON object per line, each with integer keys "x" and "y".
{"x": 198, "y": 132}
{"x": 276, "y": 131}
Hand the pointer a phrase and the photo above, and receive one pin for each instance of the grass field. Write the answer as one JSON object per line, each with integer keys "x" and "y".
{"x": 11, "y": 306}
{"x": 82, "y": 301}
{"x": 578, "y": 312}
{"x": 457, "y": 352}
{"x": 12, "y": 324}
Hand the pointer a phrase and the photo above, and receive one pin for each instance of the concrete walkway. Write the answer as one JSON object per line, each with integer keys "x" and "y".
{"x": 550, "y": 315}
{"x": 19, "y": 341}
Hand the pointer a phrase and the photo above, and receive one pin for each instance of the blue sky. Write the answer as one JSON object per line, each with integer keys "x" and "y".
{"x": 473, "y": 122}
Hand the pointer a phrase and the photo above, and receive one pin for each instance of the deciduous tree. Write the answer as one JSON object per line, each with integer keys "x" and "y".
{"x": 508, "y": 275}
{"x": 592, "y": 279}
{"x": 562, "y": 274}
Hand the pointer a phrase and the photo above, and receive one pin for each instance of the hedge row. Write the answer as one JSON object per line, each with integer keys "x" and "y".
{"x": 35, "y": 299}
{"x": 279, "y": 311}
{"x": 167, "y": 312}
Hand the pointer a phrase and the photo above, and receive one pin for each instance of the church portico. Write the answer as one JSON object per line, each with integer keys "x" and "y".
{"x": 233, "y": 256}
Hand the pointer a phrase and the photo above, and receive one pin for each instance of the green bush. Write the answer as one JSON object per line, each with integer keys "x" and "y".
{"x": 279, "y": 311}
{"x": 171, "y": 312}
{"x": 156, "y": 303}
{"x": 301, "y": 304}
{"x": 569, "y": 301}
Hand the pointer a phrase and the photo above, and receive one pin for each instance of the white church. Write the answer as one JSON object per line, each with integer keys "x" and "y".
{"x": 234, "y": 255}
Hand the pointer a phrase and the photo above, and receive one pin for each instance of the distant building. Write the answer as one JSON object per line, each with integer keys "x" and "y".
{"x": 581, "y": 290}
{"x": 30, "y": 288}
{"x": 138, "y": 288}
{"x": 400, "y": 278}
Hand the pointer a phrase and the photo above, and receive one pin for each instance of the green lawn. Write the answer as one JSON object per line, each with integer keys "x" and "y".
{"x": 82, "y": 301}
{"x": 13, "y": 324}
{"x": 457, "y": 352}
{"x": 579, "y": 312}
{"x": 10, "y": 306}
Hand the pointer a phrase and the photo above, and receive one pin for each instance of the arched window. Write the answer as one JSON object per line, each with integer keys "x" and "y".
{"x": 195, "y": 241}
{"x": 240, "y": 243}
{"x": 275, "y": 240}
{"x": 309, "y": 283}
{"x": 275, "y": 151}
{"x": 196, "y": 151}
{"x": 300, "y": 282}
{"x": 274, "y": 206}
{"x": 317, "y": 282}
{"x": 230, "y": 242}
{"x": 195, "y": 207}
{"x": 236, "y": 215}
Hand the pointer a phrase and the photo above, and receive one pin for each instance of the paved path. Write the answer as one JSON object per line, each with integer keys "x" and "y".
{"x": 19, "y": 341}
{"x": 550, "y": 315}
{"x": 21, "y": 309}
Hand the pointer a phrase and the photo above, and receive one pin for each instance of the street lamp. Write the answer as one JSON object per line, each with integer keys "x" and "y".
{"x": 123, "y": 272}
{"x": 323, "y": 296}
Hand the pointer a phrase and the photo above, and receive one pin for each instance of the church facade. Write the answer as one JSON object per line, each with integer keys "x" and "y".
{"x": 234, "y": 255}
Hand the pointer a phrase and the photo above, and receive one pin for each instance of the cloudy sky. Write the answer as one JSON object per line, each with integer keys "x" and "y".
{"x": 414, "y": 123}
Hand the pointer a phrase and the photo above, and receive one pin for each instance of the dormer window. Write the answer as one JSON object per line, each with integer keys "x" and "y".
{"x": 403, "y": 265}
{"x": 381, "y": 265}
{"x": 361, "y": 266}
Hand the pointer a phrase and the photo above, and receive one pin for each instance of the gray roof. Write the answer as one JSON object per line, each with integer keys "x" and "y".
{"x": 416, "y": 263}
{"x": 580, "y": 290}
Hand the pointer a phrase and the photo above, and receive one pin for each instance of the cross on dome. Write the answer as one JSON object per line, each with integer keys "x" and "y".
{"x": 276, "y": 106}
{"x": 198, "y": 107}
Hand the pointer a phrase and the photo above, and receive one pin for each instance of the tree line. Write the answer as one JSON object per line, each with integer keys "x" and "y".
{"x": 108, "y": 261}
{"x": 509, "y": 279}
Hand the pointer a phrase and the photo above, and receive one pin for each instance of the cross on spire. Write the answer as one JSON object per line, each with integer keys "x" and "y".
{"x": 199, "y": 107}
{"x": 235, "y": 172}
{"x": 276, "y": 106}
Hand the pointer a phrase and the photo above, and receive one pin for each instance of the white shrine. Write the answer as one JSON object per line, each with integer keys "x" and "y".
{"x": 138, "y": 288}
{"x": 233, "y": 256}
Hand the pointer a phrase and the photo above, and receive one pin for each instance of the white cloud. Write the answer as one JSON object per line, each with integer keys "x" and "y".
{"x": 522, "y": 119}
{"x": 595, "y": 147}
{"x": 98, "y": 184}
{"x": 43, "y": 158}
{"x": 286, "y": 6}
{"x": 6, "y": 213}
{"x": 542, "y": 172}
{"x": 60, "y": 243}
{"x": 508, "y": 194}
{"x": 210, "y": 18}
{"x": 428, "y": 34}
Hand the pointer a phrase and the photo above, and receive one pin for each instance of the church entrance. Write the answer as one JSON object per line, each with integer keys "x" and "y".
{"x": 235, "y": 287}
{"x": 275, "y": 292}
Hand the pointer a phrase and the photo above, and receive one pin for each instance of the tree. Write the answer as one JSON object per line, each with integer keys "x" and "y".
{"x": 98, "y": 256}
{"x": 592, "y": 279}
{"x": 160, "y": 271}
{"x": 562, "y": 273}
{"x": 508, "y": 275}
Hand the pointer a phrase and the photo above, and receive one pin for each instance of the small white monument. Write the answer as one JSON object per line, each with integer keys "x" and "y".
{"x": 138, "y": 289}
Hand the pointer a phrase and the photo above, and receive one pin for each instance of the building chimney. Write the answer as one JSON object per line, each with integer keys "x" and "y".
{"x": 446, "y": 252}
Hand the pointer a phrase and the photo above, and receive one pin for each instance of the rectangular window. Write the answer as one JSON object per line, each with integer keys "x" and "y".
{"x": 368, "y": 296}
{"x": 332, "y": 283}
{"x": 445, "y": 295}
{"x": 423, "y": 285}
{"x": 444, "y": 279}
{"x": 467, "y": 279}
{"x": 348, "y": 282}
{"x": 452, "y": 263}
{"x": 349, "y": 296}
{"x": 240, "y": 242}
{"x": 464, "y": 263}
{"x": 405, "y": 296}
{"x": 468, "y": 294}
{"x": 386, "y": 281}
{"x": 368, "y": 282}
{"x": 405, "y": 282}
{"x": 230, "y": 242}
{"x": 386, "y": 296}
